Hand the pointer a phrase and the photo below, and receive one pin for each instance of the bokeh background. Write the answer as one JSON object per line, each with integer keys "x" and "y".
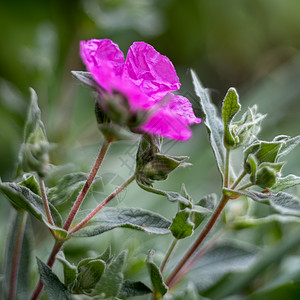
{"x": 250, "y": 45}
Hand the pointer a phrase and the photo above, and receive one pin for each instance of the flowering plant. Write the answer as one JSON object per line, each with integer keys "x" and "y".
{"x": 136, "y": 93}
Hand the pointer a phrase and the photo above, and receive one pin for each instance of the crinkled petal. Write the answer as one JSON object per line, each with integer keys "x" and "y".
{"x": 152, "y": 72}
{"x": 182, "y": 107}
{"x": 167, "y": 124}
{"x": 96, "y": 52}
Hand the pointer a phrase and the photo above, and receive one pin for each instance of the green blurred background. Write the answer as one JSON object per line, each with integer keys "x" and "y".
{"x": 251, "y": 45}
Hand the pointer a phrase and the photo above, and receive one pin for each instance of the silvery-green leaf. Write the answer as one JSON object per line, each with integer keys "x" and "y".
{"x": 111, "y": 281}
{"x": 212, "y": 122}
{"x": 53, "y": 287}
{"x": 284, "y": 183}
{"x": 114, "y": 217}
{"x": 159, "y": 287}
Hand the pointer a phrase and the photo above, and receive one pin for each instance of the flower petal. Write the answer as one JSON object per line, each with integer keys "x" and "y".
{"x": 182, "y": 107}
{"x": 167, "y": 124}
{"x": 152, "y": 72}
{"x": 96, "y": 52}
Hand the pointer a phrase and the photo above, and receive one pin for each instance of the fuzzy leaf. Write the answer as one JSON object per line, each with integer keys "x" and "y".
{"x": 284, "y": 183}
{"x": 182, "y": 226}
{"x": 231, "y": 106}
{"x": 247, "y": 222}
{"x": 68, "y": 188}
{"x": 134, "y": 218}
{"x": 159, "y": 287}
{"x": 33, "y": 117}
{"x": 31, "y": 183}
{"x": 53, "y": 287}
{"x": 24, "y": 199}
{"x": 288, "y": 145}
{"x": 89, "y": 275}
{"x": 209, "y": 201}
{"x": 283, "y": 203}
{"x": 133, "y": 288}
{"x": 268, "y": 151}
{"x": 85, "y": 77}
{"x": 70, "y": 271}
{"x": 219, "y": 261}
{"x": 111, "y": 281}
{"x": 212, "y": 122}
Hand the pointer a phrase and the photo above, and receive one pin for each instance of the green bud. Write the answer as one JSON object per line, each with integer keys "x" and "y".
{"x": 35, "y": 157}
{"x": 89, "y": 275}
{"x": 265, "y": 177}
{"x": 161, "y": 166}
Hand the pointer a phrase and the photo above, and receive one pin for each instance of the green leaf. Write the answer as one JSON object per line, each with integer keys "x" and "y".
{"x": 133, "y": 288}
{"x": 33, "y": 121}
{"x": 247, "y": 222}
{"x": 159, "y": 287}
{"x": 288, "y": 145}
{"x": 86, "y": 78}
{"x": 22, "y": 282}
{"x": 24, "y": 199}
{"x": 283, "y": 203}
{"x": 68, "y": 188}
{"x": 113, "y": 217}
{"x": 34, "y": 154}
{"x": 231, "y": 106}
{"x": 111, "y": 281}
{"x": 284, "y": 183}
{"x": 268, "y": 151}
{"x": 53, "y": 287}
{"x": 209, "y": 201}
{"x": 70, "y": 271}
{"x": 212, "y": 122}
{"x": 221, "y": 260}
{"x": 198, "y": 214}
{"x": 31, "y": 183}
{"x": 182, "y": 226}
{"x": 89, "y": 275}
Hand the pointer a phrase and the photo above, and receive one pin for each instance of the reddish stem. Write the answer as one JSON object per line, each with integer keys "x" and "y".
{"x": 87, "y": 185}
{"x": 16, "y": 257}
{"x": 170, "y": 281}
{"x": 45, "y": 201}
{"x": 102, "y": 204}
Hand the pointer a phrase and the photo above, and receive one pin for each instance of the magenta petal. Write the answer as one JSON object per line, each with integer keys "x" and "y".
{"x": 182, "y": 107}
{"x": 152, "y": 72}
{"x": 95, "y": 53}
{"x": 166, "y": 124}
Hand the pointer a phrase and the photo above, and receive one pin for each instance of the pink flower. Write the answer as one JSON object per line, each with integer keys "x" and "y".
{"x": 146, "y": 79}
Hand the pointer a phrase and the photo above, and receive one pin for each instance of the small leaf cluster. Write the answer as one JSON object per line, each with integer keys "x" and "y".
{"x": 190, "y": 216}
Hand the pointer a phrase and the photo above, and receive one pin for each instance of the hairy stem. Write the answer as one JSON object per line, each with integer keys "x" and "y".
{"x": 227, "y": 169}
{"x": 168, "y": 255}
{"x": 102, "y": 204}
{"x": 239, "y": 179}
{"x": 56, "y": 248}
{"x": 193, "y": 260}
{"x": 16, "y": 256}
{"x": 45, "y": 201}
{"x": 170, "y": 281}
{"x": 87, "y": 185}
